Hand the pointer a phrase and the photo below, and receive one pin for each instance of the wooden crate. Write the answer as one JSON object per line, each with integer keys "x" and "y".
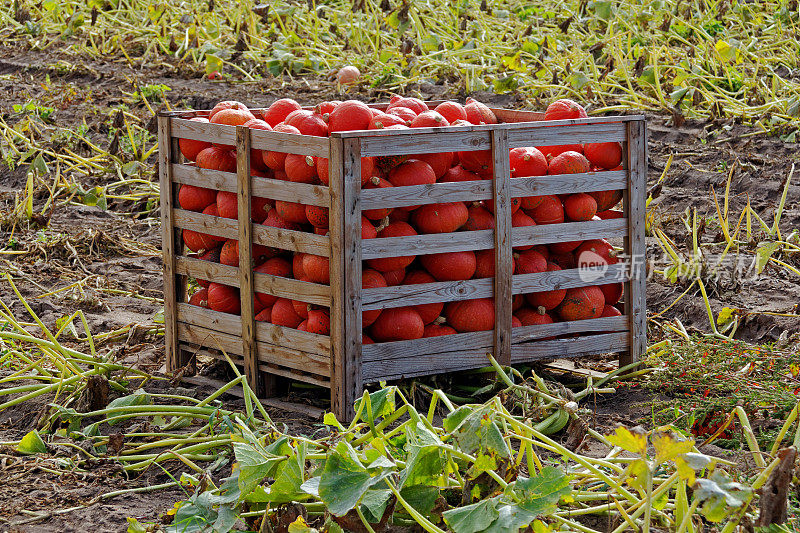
{"x": 340, "y": 362}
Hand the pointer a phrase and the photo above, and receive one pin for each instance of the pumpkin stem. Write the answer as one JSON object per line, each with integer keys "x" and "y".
{"x": 542, "y": 310}
{"x": 440, "y": 320}
{"x": 383, "y": 224}
{"x": 375, "y": 180}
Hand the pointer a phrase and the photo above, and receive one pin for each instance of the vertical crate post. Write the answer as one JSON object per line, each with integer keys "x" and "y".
{"x": 246, "y": 292}
{"x": 166, "y": 157}
{"x": 345, "y": 268}
{"x": 634, "y": 206}
{"x": 503, "y": 260}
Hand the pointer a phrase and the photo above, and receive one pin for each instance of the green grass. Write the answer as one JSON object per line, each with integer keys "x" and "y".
{"x": 697, "y": 58}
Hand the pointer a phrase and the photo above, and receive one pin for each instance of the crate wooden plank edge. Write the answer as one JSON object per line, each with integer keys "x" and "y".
{"x": 467, "y": 191}
{"x": 448, "y": 291}
{"x": 470, "y": 358}
{"x": 484, "y": 239}
{"x": 288, "y": 191}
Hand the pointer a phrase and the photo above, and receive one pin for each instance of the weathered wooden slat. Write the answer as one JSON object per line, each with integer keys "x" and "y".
{"x": 247, "y": 325}
{"x": 635, "y": 307}
{"x": 458, "y": 357}
{"x": 484, "y": 239}
{"x": 313, "y": 293}
{"x": 203, "y": 131}
{"x": 296, "y": 241}
{"x": 190, "y": 174}
{"x": 503, "y": 261}
{"x": 524, "y": 334}
{"x": 532, "y": 134}
{"x": 476, "y": 340}
{"x": 165, "y": 157}
{"x": 441, "y": 291}
{"x": 447, "y": 291}
{"x": 267, "y": 353}
{"x": 294, "y": 375}
{"x": 468, "y": 191}
{"x": 217, "y": 226}
{"x": 345, "y": 253}
{"x": 263, "y": 187}
{"x": 290, "y": 144}
{"x": 514, "y": 116}
{"x": 569, "y": 231}
{"x": 570, "y": 347}
{"x": 262, "y": 140}
{"x": 570, "y": 278}
{"x": 195, "y": 349}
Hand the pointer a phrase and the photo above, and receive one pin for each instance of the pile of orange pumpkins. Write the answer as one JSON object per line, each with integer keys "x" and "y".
{"x": 416, "y": 321}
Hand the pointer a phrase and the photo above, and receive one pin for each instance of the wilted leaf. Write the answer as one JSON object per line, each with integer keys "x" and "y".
{"x": 632, "y": 440}
{"x": 344, "y": 480}
{"x": 720, "y": 495}
{"x": 689, "y": 463}
{"x": 542, "y": 493}
{"x": 764, "y": 252}
{"x": 668, "y": 445}
{"x": 31, "y": 444}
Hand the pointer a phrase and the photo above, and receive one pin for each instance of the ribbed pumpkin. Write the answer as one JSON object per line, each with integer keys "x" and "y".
{"x": 440, "y": 218}
{"x": 450, "y": 266}
{"x": 564, "y": 247}
{"x": 568, "y": 162}
{"x": 549, "y": 211}
{"x": 485, "y": 264}
{"x": 429, "y": 119}
{"x": 371, "y": 279}
{"x": 189, "y": 147}
{"x": 316, "y": 268}
{"x": 606, "y": 199}
{"x": 319, "y": 322}
{"x": 376, "y": 182}
{"x": 257, "y": 156}
{"x": 406, "y": 114}
{"x": 564, "y": 109}
{"x": 530, "y": 262}
{"x": 394, "y": 277}
{"x": 283, "y": 314}
{"x": 452, "y": 111}
{"x": 300, "y": 168}
{"x": 437, "y": 330}
{"x": 198, "y": 242}
{"x": 459, "y": 173}
{"x": 440, "y": 162}
{"x": 276, "y": 221}
{"x": 527, "y": 161}
{"x": 533, "y": 317}
{"x": 291, "y": 212}
{"x": 551, "y": 152}
{"x": 386, "y": 264}
{"x": 302, "y": 308}
{"x": 470, "y": 315}
{"x": 610, "y": 214}
{"x": 603, "y": 155}
{"x": 368, "y": 231}
{"x": 612, "y": 292}
{"x": 479, "y": 162}
{"x": 297, "y": 266}
{"x": 384, "y": 120}
{"x": 200, "y": 298}
{"x": 519, "y": 219}
{"x": 259, "y": 208}
{"x": 308, "y": 123}
{"x": 229, "y": 254}
{"x": 367, "y": 170}
{"x": 349, "y": 115}
{"x": 582, "y": 303}
{"x": 412, "y": 172}
{"x": 414, "y": 104}
{"x": 565, "y": 261}
{"x": 479, "y": 218}
{"x": 596, "y": 252}
{"x": 478, "y": 113}
{"x": 225, "y": 104}
{"x": 580, "y": 207}
{"x": 224, "y": 299}
{"x": 227, "y": 204}
{"x": 275, "y": 266}
{"x": 317, "y": 215}
{"x": 235, "y": 115}
{"x": 194, "y": 198}
{"x": 279, "y": 110}
{"x": 277, "y": 160}
{"x": 428, "y": 312}
{"x": 397, "y": 324}
{"x": 265, "y": 315}
{"x": 610, "y": 310}
{"x": 547, "y": 299}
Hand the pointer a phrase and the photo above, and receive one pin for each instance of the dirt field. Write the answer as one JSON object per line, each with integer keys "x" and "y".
{"x": 117, "y": 255}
